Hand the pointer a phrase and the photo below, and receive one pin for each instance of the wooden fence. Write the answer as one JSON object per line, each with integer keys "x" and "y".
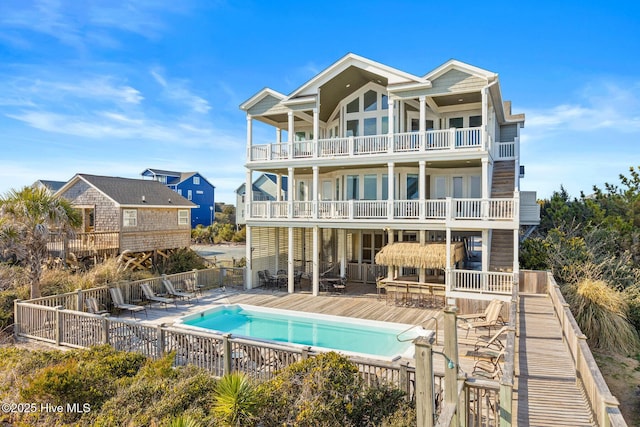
{"x": 604, "y": 405}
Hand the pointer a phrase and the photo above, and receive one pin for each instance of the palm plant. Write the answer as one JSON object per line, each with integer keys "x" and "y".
{"x": 236, "y": 400}
{"x": 26, "y": 219}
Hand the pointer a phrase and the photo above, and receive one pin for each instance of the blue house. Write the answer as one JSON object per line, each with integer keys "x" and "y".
{"x": 192, "y": 186}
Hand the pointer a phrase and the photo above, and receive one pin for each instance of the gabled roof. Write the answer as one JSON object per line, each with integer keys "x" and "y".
{"x": 127, "y": 192}
{"x": 259, "y": 96}
{"x": 271, "y": 177}
{"x": 462, "y": 66}
{"x": 52, "y": 186}
{"x": 393, "y": 75}
{"x": 150, "y": 171}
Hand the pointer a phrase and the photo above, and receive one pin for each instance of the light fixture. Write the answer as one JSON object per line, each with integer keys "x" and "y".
{"x": 348, "y": 85}
{"x": 450, "y": 363}
{"x": 460, "y": 99}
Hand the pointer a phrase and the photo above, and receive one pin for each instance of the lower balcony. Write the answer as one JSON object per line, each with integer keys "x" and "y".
{"x": 443, "y": 210}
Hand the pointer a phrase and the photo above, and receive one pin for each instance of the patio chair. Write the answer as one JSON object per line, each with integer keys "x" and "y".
{"x": 175, "y": 293}
{"x": 490, "y": 343}
{"x": 297, "y": 279}
{"x": 479, "y": 316}
{"x": 118, "y": 302}
{"x": 489, "y": 367}
{"x": 264, "y": 280}
{"x": 152, "y": 297}
{"x": 492, "y": 320}
{"x": 94, "y": 307}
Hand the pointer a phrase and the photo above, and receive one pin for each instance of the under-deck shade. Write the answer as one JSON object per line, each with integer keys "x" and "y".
{"x": 411, "y": 254}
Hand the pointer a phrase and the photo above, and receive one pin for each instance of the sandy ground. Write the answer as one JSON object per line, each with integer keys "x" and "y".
{"x": 622, "y": 375}
{"x": 220, "y": 252}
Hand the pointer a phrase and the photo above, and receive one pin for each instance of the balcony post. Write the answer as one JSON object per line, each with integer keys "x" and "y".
{"x": 316, "y": 130}
{"x": 485, "y": 117}
{"x": 449, "y": 214}
{"x": 249, "y": 137}
{"x": 315, "y": 191}
{"x": 290, "y": 266}
{"x": 423, "y": 117}
{"x": 248, "y": 195}
{"x": 452, "y": 139}
{"x": 390, "y": 190}
{"x": 352, "y": 146}
{"x": 290, "y": 132}
{"x": 422, "y": 190}
{"x": 351, "y": 209}
{"x": 290, "y": 192}
{"x": 390, "y": 144}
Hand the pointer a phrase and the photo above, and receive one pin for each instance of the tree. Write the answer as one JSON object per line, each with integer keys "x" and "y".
{"x": 26, "y": 219}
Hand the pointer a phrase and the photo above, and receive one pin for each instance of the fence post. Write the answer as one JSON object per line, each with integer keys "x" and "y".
{"x": 105, "y": 328}
{"x": 160, "y": 339}
{"x": 451, "y": 351}
{"x": 79, "y": 302}
{"x": 404, "y": 380}
{"x": 506, "y": 395}
{"x": 58, "y": 317}
{"x": 17, "y": 320}
{"x": 195, "y": 278}
{"x": 305, "y": 352}
{"x": 425, "y": 400}
{"x": 226, "y": 345}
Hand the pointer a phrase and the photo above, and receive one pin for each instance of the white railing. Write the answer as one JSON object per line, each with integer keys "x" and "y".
{"x": 506, "y": 150}
{"x": 482, "y": 282}
{"x": 447, "y": 209}
{"x": 407, "y": 142}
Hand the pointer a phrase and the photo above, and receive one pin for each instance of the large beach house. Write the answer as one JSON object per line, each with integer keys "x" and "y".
{"x": 375, "y": 156}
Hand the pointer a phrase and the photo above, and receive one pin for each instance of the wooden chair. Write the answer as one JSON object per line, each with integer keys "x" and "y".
{"x": 118, "y": 302}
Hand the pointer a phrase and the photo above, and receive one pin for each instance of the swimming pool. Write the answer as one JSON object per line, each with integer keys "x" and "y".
{"x": 321, "y": 332}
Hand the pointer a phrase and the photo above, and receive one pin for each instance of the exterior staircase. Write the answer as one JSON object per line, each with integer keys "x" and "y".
{"x": 501, "y": 258}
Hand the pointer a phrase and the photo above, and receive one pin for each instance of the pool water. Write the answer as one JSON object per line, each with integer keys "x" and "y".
{"x": 347, "y": 335}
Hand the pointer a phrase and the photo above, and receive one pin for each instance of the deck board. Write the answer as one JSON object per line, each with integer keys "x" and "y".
{"x": 546, "y": 391}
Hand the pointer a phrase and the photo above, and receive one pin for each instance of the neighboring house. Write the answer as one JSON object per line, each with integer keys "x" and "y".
{"x": 121, "y": 214}
{"x": 375, "y": 155}
{"x": 52, "y": 186}
{"x": 194, "y": 187}
{"x": 264, "y": 188}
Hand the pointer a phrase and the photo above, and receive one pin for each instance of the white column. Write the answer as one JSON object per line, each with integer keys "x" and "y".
{"x": 249, "y": 131}
{"x": 422, "y": 272}
{"x": 291, "y": 186}
{"x": 423, "y": 118}
{"x": 485, "y": 116}
{"x": 279, "y": 185}
{"x": 248, "y": 279}
{"x": 290, "y": 266}
{"x": 390, "y": 189}
{"x": 516, "y": 250}
{"x": 422, "y": 189}
{"x": 485, "y": 178}
{"x": 485, "y": 250}
{"x": 391, "y": 123}
{"x": 316, "y": 260}
{"x": 278, "y": 135}
{"x": 277, "y": 248}
{"x": 316, "y": 131}
{"x": 290, "y": 132}
{"x": 342, "y": 247}
{"x": 248, "y": 195}
{"x": 315, "y": 190}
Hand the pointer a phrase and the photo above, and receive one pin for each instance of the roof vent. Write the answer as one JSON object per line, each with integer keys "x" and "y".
{"x": 169, "y": 200}
{"x": 143, "y": 199}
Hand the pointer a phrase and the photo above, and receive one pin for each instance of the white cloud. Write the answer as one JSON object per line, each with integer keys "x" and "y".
{"x": 176, "y": 89}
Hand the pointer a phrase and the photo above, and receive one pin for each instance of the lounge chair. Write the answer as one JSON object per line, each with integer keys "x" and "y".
{"x": 489, "y": 367}
{"x": 479, "y": 316}
{"x": 152, "y": 297}
{"x": 175, "y": 293}
{"x": 93, "y": 306}
{"x": 484, "y": 343}
{"x": 118, "y": 302}
{"x": 492, "y": 320}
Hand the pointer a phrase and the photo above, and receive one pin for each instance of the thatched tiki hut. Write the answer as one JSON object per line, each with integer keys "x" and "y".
{"x": 430, "y": 256}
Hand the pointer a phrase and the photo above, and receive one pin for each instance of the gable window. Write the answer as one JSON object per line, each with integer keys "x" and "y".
{"x": 183, "y": 217}
{"x": 130, "y": 218}
{"x": 196, "y": 180}
{"x": 353, "y": 106}
{"x": 370, "y": 100}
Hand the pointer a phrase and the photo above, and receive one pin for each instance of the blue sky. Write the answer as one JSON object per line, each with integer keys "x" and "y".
{"x": 114, "y": 87}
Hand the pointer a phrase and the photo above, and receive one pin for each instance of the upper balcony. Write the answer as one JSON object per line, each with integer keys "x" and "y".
{"x": 447, "y": 142}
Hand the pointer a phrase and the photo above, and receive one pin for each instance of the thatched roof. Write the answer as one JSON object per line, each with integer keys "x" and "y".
{"x": 411, "y": 254}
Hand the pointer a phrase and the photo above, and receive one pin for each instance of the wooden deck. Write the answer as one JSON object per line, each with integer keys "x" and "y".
{"x": 546, "y": 391}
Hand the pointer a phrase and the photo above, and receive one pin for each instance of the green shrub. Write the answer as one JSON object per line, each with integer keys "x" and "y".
{"x": 533, "y": 254}
{"x": 182, "y": 260}
{"x": 601, "y": 313}
{"x": 632, "y": 298}
{"x": 236, "y": 400}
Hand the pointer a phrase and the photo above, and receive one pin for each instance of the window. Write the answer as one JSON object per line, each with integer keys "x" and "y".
{"x": 189, "y": 194}
{"x": 370, "y": 101}
{"x": 179, "y": 191}
{"x": 385, "y": 102}
{"x": 353, "y": 106}
{"x": 385, "y": 186}
{"x": 183, "y": 217}
{"x": 196, "y": 180}
{"x": 385, "y": 125}
{"x": 130, "y": 218}
{"x": 370, "y": 126}
{"x": 199, "y": 192}
{"x": 412, "y": 187}
{"x": 162, "y": 179}
{"x": 455, "y": 122}
{"x": 475, "y": 121}
{"x": 301, "y": 136}
{"x": 370, "y": 187}
{"x": 352, "y": 127}
{"x": 353, "y": 187}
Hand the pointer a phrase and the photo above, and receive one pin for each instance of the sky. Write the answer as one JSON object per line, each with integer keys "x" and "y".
{"x": 112, "y": 87}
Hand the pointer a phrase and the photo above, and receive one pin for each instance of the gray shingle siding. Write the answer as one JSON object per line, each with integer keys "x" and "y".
{"x": 264, "y": 105}
{"x": 508, "y": 132}
{"x": 107, "y": 215}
